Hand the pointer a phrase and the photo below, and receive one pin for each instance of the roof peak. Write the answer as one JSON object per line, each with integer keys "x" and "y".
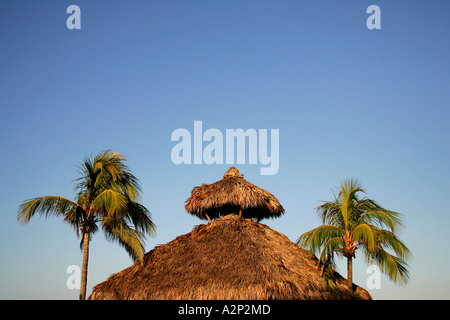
{"x": 233, "y": 172}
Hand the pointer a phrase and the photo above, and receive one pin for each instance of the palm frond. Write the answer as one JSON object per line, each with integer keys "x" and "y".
{"x": 316, "y": 238}
{"x": 388, "y": 240}
{"x": 75, "y": 218}
{"x": 348, "y": 200}
{"x": 45, "y": 206}
{"x": 130, "y": 239}
{"x": 87, "y": 176}
{"x": 110, "y": 202}
{"x": 366, "y": 234}
{"x": 333, "y": 246}
{"x": 394, "y": 267}
{"x": 140, "y": 217}
{"x": 379, "y": 216}
{"x": 110, "y": 165}
{"x": 329, "y": 212}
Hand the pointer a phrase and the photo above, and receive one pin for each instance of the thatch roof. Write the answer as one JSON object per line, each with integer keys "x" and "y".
{"x": 232, "y": 194}
{"x": 230, "y": 258}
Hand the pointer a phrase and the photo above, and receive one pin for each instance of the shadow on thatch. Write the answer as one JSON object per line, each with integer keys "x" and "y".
{"x": 232, "y": 194}
{"x": 230, "y": 258}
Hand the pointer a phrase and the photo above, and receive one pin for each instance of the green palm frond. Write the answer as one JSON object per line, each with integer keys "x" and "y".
{"x": 86, "y": 181}
{"x": 329, "y": 212}
{"x": 316, "y": 238}
{"x": 367, "y": 235}
{"x": 348, "y": 198}
{"x": 117, "y": 230}
{"x": 381, "y": 217}
{"x": 394, "y": 267}
{"x": 111, "y": 170}
{"x": 388, "y": 240}
{"x": 46, "y": 206}
{"x": 140, "y": 217}
{"x": 110, "y": 203}
{"x": 331, "y": 247}
{"x": 75, "y": 218}
{"x": 343, "y": 209}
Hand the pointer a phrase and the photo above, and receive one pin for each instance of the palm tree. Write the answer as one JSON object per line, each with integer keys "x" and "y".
{"x": 108, "y": 197}
{"x": 350, "y": 223}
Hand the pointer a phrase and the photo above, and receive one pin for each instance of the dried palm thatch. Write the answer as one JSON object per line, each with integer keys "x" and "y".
{"x": 230, "y": 258}
{"x": 232, "y": 194}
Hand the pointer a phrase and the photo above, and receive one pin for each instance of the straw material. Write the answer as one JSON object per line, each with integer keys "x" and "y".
{"x": 232, "y": 194}
{"x": 230, "y": 258}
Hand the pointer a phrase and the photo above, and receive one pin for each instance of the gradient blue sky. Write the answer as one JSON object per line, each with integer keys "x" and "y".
{"x": 348, "y": 101}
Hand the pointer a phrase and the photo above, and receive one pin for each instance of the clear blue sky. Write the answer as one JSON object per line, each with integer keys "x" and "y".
{"x": 348, "y": 102}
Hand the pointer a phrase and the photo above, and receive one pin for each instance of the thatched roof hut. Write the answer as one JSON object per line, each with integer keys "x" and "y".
{"x": 230, "y": 258}
{"x": 232, "y": 194}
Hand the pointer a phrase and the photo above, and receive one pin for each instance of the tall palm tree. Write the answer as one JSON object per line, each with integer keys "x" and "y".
{"x": 108, "y": 197}
{"x": 350, "y": 223}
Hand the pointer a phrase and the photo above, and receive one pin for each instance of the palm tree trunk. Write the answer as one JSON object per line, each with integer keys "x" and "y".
{"x": 85, "y": 266}
{"x": 350, "y": 273}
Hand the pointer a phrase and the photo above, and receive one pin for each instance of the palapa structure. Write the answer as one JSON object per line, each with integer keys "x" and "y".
{"x": 232, "y": 194}
{"x": 232, "y": 257}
